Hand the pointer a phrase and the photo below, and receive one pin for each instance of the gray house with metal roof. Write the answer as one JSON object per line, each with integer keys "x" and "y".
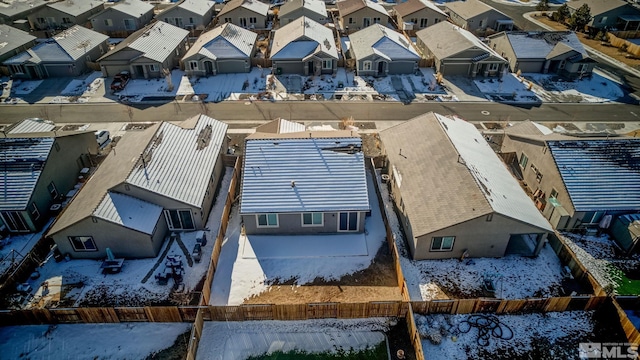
{"x": 225, "y": 49}
{"x": 456, "y": 51}
{"x": 189, "y": 14}
{"x": 380, "y": 51}
{"x": 609, "y": 13}
{"x": 455, "y": 198}
{"x": 15, "y": 13}
{"x": 158, "y": 180}
{"x": 38, "y": 170}
{"x": 64, "y": 14}
{"x": 147, "y": 52}
{"x": 304, "y": 47}
{"x": 476, "y": 16}
{"x": 304, "y": 182}
{"x": 312, "y": 9}
{"x": 575, "y": 180}
{"x": 122, "y": 19}
{"x": 249, "y": 14}
{"x": 65, "y": 54}
{"x": 555, "y": 52}
{"x": 14, "y": 42}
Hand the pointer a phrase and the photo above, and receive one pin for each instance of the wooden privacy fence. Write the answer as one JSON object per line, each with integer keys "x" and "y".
{"x": 224, "y": 221}
{"x": 414, "y": 335}
{"x": 508, "y": 306}
{"x": 631, "y": 48}
{"x": 630, "y": 331}
{"x": 578, "y": 270}
{"x": 196, "y": 334}
{"x": 26, "y": 265}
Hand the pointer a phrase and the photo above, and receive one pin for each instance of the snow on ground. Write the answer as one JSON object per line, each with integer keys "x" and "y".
{"x": 222, "y": 86}
{"x": 89, "y": 341}
{"x": 25, "y": 87}
{"x": 14, "y": 248}
{"x": 515, "y": 277}
{"x": 87, "y": 84}
{"x": 238, "y": 340}
{"x": 81, "y": 282}
{"x": 530, "y": 332}
{"x": 595, "y": 89}
{"x": 508, "y": 88}
{"x": 243, "y": 272}
{"x": 139, "y": 89}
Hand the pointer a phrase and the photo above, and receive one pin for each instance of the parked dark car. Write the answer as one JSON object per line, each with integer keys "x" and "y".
{"x": 120, "y": 81}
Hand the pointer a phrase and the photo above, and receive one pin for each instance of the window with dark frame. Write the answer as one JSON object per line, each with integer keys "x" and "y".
{"x": 83, "y": 243}
{"x": 442, "y": 243}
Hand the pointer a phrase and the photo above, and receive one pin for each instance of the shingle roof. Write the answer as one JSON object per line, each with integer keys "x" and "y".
{"x": 316, "y": 6}
{"x": 179, "y": 162}
{"x": 68, "y": 45}
{"x": 328, "y": 174}
{"x": 224, "y": 41}
{"x": 346, "y": 7}
{"x": 12, "y": 38}
{"x": 411, "y": 6}
{"x": 445, "y": 39}
{"x": 452, "y": 175}
{"x": 129, "y": 212}
{"x": 135, "y": 8}
{"x": 31, "y": 126}
{"x": 598, "y": 6}
{"x": 253, "y": 5}
{"x": 599, "y": 174}
{"x": 155, "y": 41}
{"x": 21, "y": 163}
{"x": 380, "y": 40}
{"x": 75, "y": 8}
{"x": 302, "y": 37}
{"x": 470, "y": 8}
{"x": 540, "y": 44}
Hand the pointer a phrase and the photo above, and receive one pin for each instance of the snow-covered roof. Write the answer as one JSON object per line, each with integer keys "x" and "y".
{"x": 129, "y": 212}
{"x": 22, "y": 161}
{"x": 288, "y": 174}
{"x": 178, "y": 162}
{"x": 253, "y": 5}
{"x": 135, "y": 8}
{"x": 445, "y": 39}
{"x": 12, "y": 38}
{"x": 69, "y": 45}
{"x": 75, "y": 8}
{"x": 346, "y": 7}
{"x": 452, "y": 175}
{"x": 599, "y": 174}
{"x": 156, "y": 41}
{"x": 32, "y": 126}
{"x": 303, "y": 37}
{"x": 316, "y": 6}
{"x": 539, "y": 44}
{"x": 378, "y": 39}
{"x": 226, "y": 41}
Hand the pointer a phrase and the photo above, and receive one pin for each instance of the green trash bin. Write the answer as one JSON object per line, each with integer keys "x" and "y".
{"x": 278, "y": 71}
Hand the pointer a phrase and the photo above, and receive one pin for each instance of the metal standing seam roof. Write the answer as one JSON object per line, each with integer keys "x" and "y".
{"x": 158, "y": 41}
{"x": 225, "y": 41}
{"x": 412, "y": 6}
{"x": 296, "y": 37}
{"x": 16, "y": 7}
{"x": 470, "y": 8}
{"x": 12, "y": 38}
{"x": 129, "y": 212}
{"x": 304, "y": 174}
{"x": 315, "y": 6}
{"x": 32, "y": 126}
{"x": 384, "y": 41}
{"x": 176, "y": 166}
{"x": 199, "y": 7}
{"x": 445, "y": 39}
{"x": 598, "y": 6}
{"x": 75, "y": 8}
{"x": 346, "y": 7}
{"x": 280, "y": 126}
{"x": 21, "y": 163}
{"x": 599, "y": 174}
{"x": 539, "y": 44}
{"x": 135, "y": 8}
{"x": 256, "y": 6}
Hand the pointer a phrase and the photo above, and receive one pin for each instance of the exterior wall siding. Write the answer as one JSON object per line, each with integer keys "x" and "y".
{"x": 429, "y": 15}
{"x": 117, "y": 19}
{"x": 57, "y": 16}
{"x": 199, "y": 21}
{"x": 241, "y": 13}
{"x": 291, "y": 224}
{"x": 358, "y": 17}
{"x": 300, "y": 13}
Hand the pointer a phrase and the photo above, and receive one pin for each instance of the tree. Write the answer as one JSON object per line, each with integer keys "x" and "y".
{"x": 562, "y": 13}
{"x": 543, "y": 5}
{"x": 580, "y": 18}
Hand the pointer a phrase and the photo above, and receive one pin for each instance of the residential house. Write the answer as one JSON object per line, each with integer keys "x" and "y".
{"x": 315, "y": 10}
{"x": 39, "y": 168}
{"x": 303, "y": 183}
{"x": 14, "y": 41}
{"x": 478, "y": 17}
{"x": 122, "y": 19}
{"x": 358, "y": 14}
{"x": 379, "y": 51}
{"x": 225, "y": 49}
{"x": 456, "y": 51}
{"x": 249, "y": 14}
{"x": 189, "y": 14}
{"x": 304, "y": 47}
{"x": 609, "y": 13}
{"x": 625, "y": 230}
{"x": 555, "y": 52}
{"x": 64, "y": 14}
{"x": 157, "y": 180}
{"x": 280, "y": 126}
{"x": 575, "y": 180}
{"x": 15, "y": 12}
{"x": 454, "y": 196}
{"x": 148, "y": 52}
{"x": 414, "y": 15}
{"x": 29, "y": 126}
{"x": 65, "y": 54}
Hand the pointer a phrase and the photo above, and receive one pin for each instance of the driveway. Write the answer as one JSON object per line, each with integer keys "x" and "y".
{"x": 50, "y": 87}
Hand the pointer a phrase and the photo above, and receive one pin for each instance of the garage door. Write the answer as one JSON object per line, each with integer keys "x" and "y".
{"x": 235, "y": 66}
{"x": 59, "y": 70}
{"x": 401, "y": 67}
{"x": 456, "y": 69}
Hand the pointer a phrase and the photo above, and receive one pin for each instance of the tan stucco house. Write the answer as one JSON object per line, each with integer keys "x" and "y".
{"x": 358, "y": 14}
{"x": 414, "y": 15}
{"x": 478, "y": 17}
{"x": 248, "y": 14}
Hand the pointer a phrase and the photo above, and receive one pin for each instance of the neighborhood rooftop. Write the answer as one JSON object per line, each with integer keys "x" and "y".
{"x": 32, "y": 126}
{"x": 253, "y": 5}
{"x": 15, "y": 7}
{"x": 597, "y": 6}
{"x": 539, "y": 44}
{"x": 381, "y": 41}
{"x": 411, "y": 6}
{"x": 287, "y": 46}
{"x": 347, "y": 7}
{"x": 446, "y": 39}
{"x": 600, "y": 174}
{"x": 155, "y": 41}
{"x": 196, "y": 6}
{"x": 226, "y": 41}
{"x": 469, "y": 8}
{"x": 75, "y": 8}
{"x": 280, "y": 126}
{"x": 299, "y": 172}
{"x": 129, "y": 212}
{"x": 12, "y": 38}
{"x": 22, "y": 162}
{"x": 133, "y": 7}
{"x": 317, "y": 6}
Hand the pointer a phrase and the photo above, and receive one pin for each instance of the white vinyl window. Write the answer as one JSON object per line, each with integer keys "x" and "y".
{"x": 83, "y": 243}
{"x": 267, "y": 220}
{"x": 327, "y": 64}
{"x": 108, "y": 22}
{"x": 179, "y": 219}
{"x": 312, "y": 219}
{"x": 442, "y": 243}
{"x": 366, "y": 65}
{"x": 193, "y": 65}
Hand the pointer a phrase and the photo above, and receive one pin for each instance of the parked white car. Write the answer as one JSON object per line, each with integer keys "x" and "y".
{"x": 102, "y": 136}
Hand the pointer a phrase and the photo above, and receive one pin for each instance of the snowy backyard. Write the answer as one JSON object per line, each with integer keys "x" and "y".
{"x": 131, "y": 341}
{"x": 80, "y": 282}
